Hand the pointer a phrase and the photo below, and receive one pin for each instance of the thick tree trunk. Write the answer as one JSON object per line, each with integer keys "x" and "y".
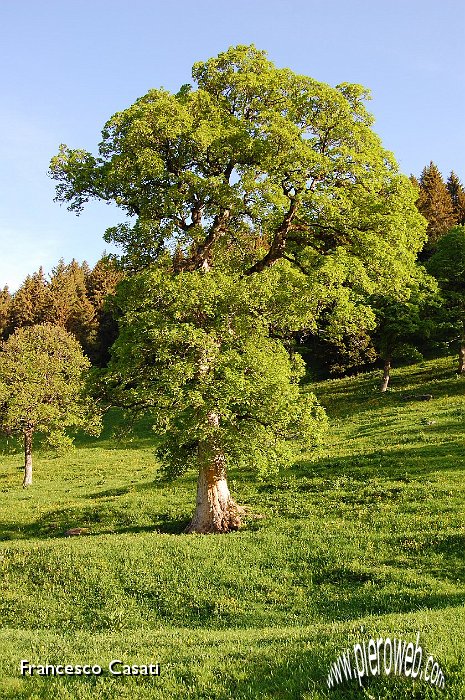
{"x": 386, "y": 374}
{"x": 27, "y": 481}
{"x": 216, "y": 512}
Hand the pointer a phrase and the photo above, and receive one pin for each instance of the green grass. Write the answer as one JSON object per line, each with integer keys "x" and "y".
{"x": 366, "y": 541}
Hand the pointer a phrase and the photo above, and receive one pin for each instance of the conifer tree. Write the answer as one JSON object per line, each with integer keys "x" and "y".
{"x": 31, "y": 304}
{"x": 457, "y": 195}
{"x": 434, "y": 202}
{"x": 101, "y": 285}
{"x": 70, "y": 306}
{"x": 5, "y": 304}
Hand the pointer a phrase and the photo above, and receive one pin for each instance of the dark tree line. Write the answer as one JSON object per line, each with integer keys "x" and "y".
{"x": 74, "y": 297}
{"x": 428, "y": 318}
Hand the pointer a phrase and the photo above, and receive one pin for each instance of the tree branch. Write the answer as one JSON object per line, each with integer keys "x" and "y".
{"x": 278, "y": 244}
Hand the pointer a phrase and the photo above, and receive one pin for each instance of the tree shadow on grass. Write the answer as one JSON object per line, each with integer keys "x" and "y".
{"x": 354, "y": 396}
{"x": 397, "y": 463}
{"x": 94, "y": 520}
{"x": 360, "y": 602}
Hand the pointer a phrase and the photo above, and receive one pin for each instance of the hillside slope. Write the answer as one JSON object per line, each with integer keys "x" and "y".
{"x": 366, "y": 541}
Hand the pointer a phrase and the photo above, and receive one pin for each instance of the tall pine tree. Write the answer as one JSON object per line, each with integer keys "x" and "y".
{"x": 435, "y": 203}
{"x": 5, "y": 304}
{"x": 457, "y": 195}
{"x": 71, "y": 307}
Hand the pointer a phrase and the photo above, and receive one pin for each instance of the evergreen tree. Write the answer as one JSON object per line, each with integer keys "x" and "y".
{"x": 31, "y": 304}
{"x": 5, "y": 304}
{"x": 70, "y": 306}
{"x": 101, "y": 285}
{"x": 434, "y": 202}
{"x": 457, "y": 195}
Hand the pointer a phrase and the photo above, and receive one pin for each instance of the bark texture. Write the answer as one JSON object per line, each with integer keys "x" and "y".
{"x": 386, "y": 374}
{"x": 27, "y": 481}
{"x": 216, "y": 511}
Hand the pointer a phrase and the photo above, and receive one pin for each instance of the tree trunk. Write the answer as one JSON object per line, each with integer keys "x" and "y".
{"x": 216, "y": 512}
{"x": 27, "y": 481}
{"x": 461, "y": 367}
{"x": 386, "y": 374}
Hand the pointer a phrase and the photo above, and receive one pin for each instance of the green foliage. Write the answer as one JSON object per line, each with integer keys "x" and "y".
{"x": 251, "y": 167}
{"x": 42, "y": 384}
{"x": 448, "y": 263}
{"x": 196, "y": 343}
{"x": 403, "y": 324}
{"x": 448, "y": 267}
{"x": 255, "y": 163}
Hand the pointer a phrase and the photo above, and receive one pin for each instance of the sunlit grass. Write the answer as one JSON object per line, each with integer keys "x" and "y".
{"x": 371, "y": 534}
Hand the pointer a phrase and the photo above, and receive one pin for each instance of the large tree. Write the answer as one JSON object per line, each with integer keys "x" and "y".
{"x": 258, "y": 199}
{"x": 42, "y": 388}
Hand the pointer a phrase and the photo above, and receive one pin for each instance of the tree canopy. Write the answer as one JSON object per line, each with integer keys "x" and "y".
{"x": 257, "y": 201}
{"x": 254, "y": 164}
{"x": 42, "y": 387}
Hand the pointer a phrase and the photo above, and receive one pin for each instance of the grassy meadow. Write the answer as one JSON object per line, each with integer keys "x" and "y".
{"x": 367, "y": 540}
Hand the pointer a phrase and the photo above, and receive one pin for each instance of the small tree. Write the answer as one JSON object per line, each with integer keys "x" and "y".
{"x": 42, "y": 388}
{"x": 401, "y": 324}
{"x": 448, "y": 266}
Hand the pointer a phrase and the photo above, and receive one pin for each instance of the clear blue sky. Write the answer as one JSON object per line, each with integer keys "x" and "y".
{"x": 68, "y": 65}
